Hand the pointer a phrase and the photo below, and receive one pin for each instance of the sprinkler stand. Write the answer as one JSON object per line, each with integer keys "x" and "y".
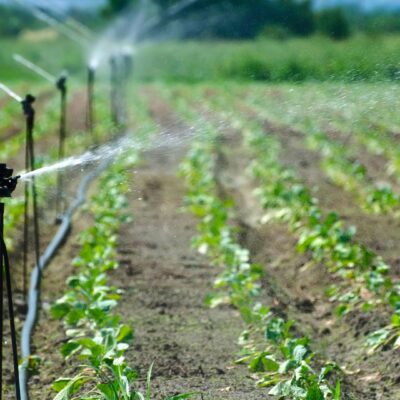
{"x": 114, "y": 84}
{"x": 61, "y": 85}
{"x": 90, "y": 100}
{"x": 29, "y": 113}
{"x": 128, "y": 65}
{"x": 7, "y": 186}
{"x": 126, "y": 74}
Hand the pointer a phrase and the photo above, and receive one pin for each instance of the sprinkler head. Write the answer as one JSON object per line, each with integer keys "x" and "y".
{"x": 128, "y": 64}
{"x": 61, "y": 83}
{"x": 91, "y": 70}
{"x": 27, "y": 104}
{"x": 8, "y": 183}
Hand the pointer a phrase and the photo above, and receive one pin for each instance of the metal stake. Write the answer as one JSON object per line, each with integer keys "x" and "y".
{"x": 114, "y": 84}
{"x": 90, "y": 117}
{"x": 7, "y": 186}
{"x": 29, "y": 112}
{"x": 62, "y": 87}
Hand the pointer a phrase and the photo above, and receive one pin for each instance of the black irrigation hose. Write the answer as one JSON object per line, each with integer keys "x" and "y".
{"x": 34, "y": 290}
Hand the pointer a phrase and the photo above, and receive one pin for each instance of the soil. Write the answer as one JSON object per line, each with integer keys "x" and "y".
{"x": 165, "y": 283}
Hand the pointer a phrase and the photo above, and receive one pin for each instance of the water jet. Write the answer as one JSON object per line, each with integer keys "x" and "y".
{"x": 61, "y": 85}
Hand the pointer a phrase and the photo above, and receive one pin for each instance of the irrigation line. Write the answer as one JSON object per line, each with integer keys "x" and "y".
{"x": 34, "y": 290}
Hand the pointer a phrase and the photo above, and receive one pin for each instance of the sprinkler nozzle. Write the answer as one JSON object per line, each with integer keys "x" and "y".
{"x": 61, "y": 83}
{"x": 91, "y": 72}
{"x": 8, "y": 183}
{"x": 27, "y": 104}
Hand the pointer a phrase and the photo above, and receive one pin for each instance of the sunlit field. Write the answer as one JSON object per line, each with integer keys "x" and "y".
{"x": 208, "y": 219}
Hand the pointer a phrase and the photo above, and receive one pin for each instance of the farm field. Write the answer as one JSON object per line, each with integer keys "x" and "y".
{"x": 252, "y": 250}
{"x": 199, "y": 200}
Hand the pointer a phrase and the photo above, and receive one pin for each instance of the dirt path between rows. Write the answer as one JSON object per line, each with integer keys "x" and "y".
{"x": 165, "y": 283}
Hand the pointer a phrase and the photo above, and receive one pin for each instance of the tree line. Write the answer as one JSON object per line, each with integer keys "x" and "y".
{"x": 231, "y": 19}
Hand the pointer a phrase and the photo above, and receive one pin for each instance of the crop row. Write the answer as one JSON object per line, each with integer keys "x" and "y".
{"x": 281, "y": 359}
{"x": 283, "y": 196}
{"x": 364, "y": 277}
{"x": 97, "y": 341}
{"x": 339, "y": 160}
{"x": 95, "y": 334}
{"x": 363, "y": 118}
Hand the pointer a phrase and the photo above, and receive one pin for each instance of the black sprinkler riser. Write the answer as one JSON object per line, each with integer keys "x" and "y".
{"x": 27, "y": 105}
{"x": 61, "y": 84}
{"x": 7, "y": 182}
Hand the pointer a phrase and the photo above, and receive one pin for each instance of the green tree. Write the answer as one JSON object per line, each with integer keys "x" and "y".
{"x": 333, "y": 23}
{"x": 233, "y": 19}
{"x": 116, "y": 6}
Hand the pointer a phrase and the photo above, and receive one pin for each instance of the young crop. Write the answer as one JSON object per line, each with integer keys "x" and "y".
{"x": 281, "y": 360}
{"x": 366, "y": 283}
{"x": 96, "y": 336}
{"x": 352, "y": 176}
{"x": 326, "y": 238}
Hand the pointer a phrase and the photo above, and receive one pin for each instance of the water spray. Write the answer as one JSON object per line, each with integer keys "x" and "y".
{"x": 54, "y": 23}
{"x": 35, "y": 68}
{"x": 7, "y": 186}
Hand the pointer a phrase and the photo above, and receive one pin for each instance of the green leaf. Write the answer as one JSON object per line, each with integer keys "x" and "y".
{"x": 148, "y": 383}
{"x": 72, "y": 386}
{"x": 377, "y": 338}
{"x": 256, "y": 364}
{"x": 314, "y": 393}
{"x": 396, "y": 320}
{"x": 287, "y": 365}
{"x": 60, "y": 384}
{"x": 69, "y": 348}
{"x": 59, "y": 311}
{"x": 270, "y": 364}
{"x": 125, "y": 334}
{"x": 397, "y": 342}
{"x": 337, "y": 393}
{"x": 281, "y": 389}
{"x": 107, "y": 391}
{"x": 87, "y": 343}
{"x": 299, "y": 353}
{"x": 183, "y": 396}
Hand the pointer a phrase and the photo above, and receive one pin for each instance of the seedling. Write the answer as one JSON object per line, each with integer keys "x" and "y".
{"x": 7, "y": 186}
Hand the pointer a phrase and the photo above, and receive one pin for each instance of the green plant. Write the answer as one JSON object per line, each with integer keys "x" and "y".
{"x": 283, "y": 361}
